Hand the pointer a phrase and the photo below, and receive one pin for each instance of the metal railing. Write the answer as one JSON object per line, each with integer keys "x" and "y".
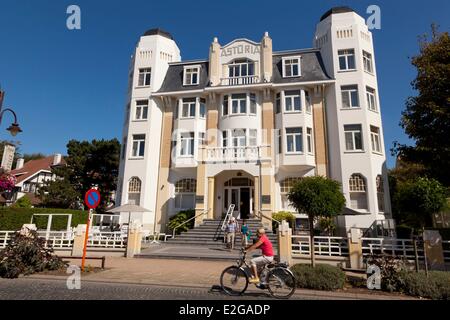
{"x": 323, "y": 246}
{"x": 5, "y": 237}
{"x": 111, "y": 240}
{"x": 261, "y": 215}
{"x": 182, "y": 224}
{"x": 243, "y": 80}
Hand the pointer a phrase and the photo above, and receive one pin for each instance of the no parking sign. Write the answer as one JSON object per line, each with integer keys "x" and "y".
{"x": 92, "y": 198}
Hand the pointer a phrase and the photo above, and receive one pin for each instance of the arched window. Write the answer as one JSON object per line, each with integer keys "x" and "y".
{"x": 380, "y": 193}
{"x": 358, "y": 192}
{"x": 286, "y": 187}
{"x": 185, "y": 190}
{"x": 134, "y": 191}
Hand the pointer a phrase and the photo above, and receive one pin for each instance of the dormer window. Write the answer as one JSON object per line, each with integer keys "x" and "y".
{"x": 291, "y": 67}
{"x": 191, "y": 75}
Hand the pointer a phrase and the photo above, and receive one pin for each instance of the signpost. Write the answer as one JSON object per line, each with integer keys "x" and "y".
{"x": 92, "y": 200}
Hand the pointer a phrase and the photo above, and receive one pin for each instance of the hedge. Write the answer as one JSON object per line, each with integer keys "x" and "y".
{"x": 283, "y": 215}
{"x": 436, "y": 286}
{"x": 322, "y": 277}
{"x": 12, "y": 219}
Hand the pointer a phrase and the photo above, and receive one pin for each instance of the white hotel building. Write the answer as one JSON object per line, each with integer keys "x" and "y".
{"x": 241, "y": 127}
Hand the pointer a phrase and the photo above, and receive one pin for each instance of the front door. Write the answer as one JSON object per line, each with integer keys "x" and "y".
{"x": 245, "y": 203}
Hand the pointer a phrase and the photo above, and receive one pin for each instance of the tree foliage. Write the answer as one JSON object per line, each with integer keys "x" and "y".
{"x": 426, "y": 118}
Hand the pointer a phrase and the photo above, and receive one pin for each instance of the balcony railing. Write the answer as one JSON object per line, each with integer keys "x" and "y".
{"x": 237, "y": 81}
{"x": 232, "y": 154}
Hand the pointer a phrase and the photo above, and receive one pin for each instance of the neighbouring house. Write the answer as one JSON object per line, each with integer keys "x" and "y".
{"x": 31, "y": 176}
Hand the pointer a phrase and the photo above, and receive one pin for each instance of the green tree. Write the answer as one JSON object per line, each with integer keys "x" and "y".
{"x": 59, "y": 194}
{"x": 88, "y": 164}
{"x": 33, "y": 156}
{"x": 317, "y": 197}
{"x": 426, "y": 119}
{"x": 415, "y": 202}
{"x": 23, "y": 202}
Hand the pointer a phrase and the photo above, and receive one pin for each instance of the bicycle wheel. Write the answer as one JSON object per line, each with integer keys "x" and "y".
{"x": 234, "y": 281}
{"x": 281, "y": 283}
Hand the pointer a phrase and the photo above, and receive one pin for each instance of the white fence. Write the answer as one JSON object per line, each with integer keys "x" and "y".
{"x": 5, "y": 236}
{"x": 111, "y": 240}
{"x": 323, "y": 246}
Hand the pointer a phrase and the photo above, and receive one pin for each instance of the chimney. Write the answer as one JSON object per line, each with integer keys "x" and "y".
{"x": 19, "y": 164}
{"x": 57, "y": 159}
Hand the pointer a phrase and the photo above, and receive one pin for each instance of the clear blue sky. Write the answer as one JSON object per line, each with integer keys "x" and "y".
{"x": 72, "y": 84}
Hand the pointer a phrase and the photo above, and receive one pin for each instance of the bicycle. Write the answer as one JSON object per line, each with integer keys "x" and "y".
{"x": 275, "y": 277}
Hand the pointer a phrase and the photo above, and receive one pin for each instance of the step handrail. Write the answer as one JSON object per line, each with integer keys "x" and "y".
{"x": 182, "y": 224}
{"x": 274, "y": 220}
{"x": 228, "y": 216}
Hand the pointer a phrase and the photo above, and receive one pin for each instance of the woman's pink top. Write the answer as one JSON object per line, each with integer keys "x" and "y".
{"x": 266, "y": 246}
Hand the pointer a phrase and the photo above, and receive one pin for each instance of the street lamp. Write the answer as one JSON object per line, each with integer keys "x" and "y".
{"x": 14, "y": 128}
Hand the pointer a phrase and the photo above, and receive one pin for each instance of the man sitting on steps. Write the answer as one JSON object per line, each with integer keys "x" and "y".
{"x": 266, "y": 247}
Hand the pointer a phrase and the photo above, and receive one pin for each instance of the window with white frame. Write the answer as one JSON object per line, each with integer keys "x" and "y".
{"x": 191, "y": 75}
{"x": 353, "y": 137}
{"x": 185, "y": 190}
{"x": 308, "y": 102}
{"x": 138, "y": 149}
{"x": 188, "y": 108}
{"x": 145, "y": 76}
{"x": 225, "y": 139}
{"x": 239, "y": 103}
{"x": 201, "y": 139}
{"x": 371, "y": 100}
{"x": 294, "y": 140}
{"x": 291, "y": 67}
{"x": 292, "y": 101}
{"x": 252, "y": 103}
{"x": 202, "y": 108}
{"x": 367, "y": 61}
{"x": 134, "y": 191}
{"x": 241, "y": 68}
{"x": 350, "y": 97}
{"x": 285, "y": 187}
{"x": 358, "y": 192}
{"x": 253, "y": 138}
{"x": 278, "y": 103}
{"x": 141, "y": 110}
{"x": 380, "y": 193}
{"x": 375, "y": 139}
{"x": 239, "y": 137}
{"x": 309, "y": 140}
{"x": 346, "y": 59}
{"x": 225, "y": 105}
{"x": 187, "y": 144}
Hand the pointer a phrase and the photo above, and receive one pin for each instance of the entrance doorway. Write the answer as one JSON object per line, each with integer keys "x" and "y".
{"x": 240, "y": 192}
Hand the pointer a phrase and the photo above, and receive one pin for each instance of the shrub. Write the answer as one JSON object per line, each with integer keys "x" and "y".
{"x": 180, "y": 218}
{"x": 23, "y": 202}
{"x": 322, "y": 277}
{"x": 283, "y": 215}
{"x": 26, "y": 254}
{"x": 14, "y": 218}
{"x": 436, "y": 286}
{"x": 390, "y": 268}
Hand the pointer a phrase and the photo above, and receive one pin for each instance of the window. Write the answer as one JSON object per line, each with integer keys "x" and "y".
{"x": 225, "y": 139}
{"x": 353, "y": 137}
{"x": 375, "y": 139}
{"x": 239, "y": 138}
{"x": 308, "y": 102}
{"x": 225, "y": 105}
{"x": 239, "y": 103}
{"x": 278, "y": 103}
{"x": 309, "y": 140}
{"x": 285, "y": 187}
{"x": 201, "y": 139}
{"x": 241, "y": 68}
{"x": 371, "y": 101}
{"x": 144, "y": 77}
{"x": 188, "y": 108}
{"x": 294, "y": 140}
{"x": 141, "y": 110}
{"x": 358, "y": 192}
{"x": 350, "y": 97}
{"x": 252, "y": 103}
{"x": 291, "y": 67}
{"x": 346, "y": 59}
{"x": 292, "y": 101}
{"x": 202, "y": 108}
{"x": 367, "y": 61}
{"x": 191, "y": 75}
{"x": 253, "y": 137}
{"x": 380, "y": 193}
{"x": 138, "y": 146}
{"x": 134, "y": 191}
{"x": 280, "y": 141}
{"x": 185, "y": 190}
{"x": 187, "y": 144}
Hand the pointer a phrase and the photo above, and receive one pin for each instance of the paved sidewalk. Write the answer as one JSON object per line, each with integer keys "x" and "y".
{"x": 187, "y": 273}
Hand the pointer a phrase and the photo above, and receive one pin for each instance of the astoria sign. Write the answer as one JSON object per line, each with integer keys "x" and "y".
{"x": 240, "y": 49}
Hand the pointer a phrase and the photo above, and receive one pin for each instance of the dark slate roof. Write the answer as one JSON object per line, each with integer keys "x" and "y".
{"x": 312, "y": 68}
{"x": 174, "y": 77}
{"x": 158, "y": 31}
{"x": 336, "y": 10}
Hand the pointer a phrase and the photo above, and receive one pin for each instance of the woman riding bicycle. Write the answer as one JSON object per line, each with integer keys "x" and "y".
{"x": 266, "y": 247}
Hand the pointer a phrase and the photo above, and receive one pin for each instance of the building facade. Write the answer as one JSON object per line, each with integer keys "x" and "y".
{"x": 241, "y": 127}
